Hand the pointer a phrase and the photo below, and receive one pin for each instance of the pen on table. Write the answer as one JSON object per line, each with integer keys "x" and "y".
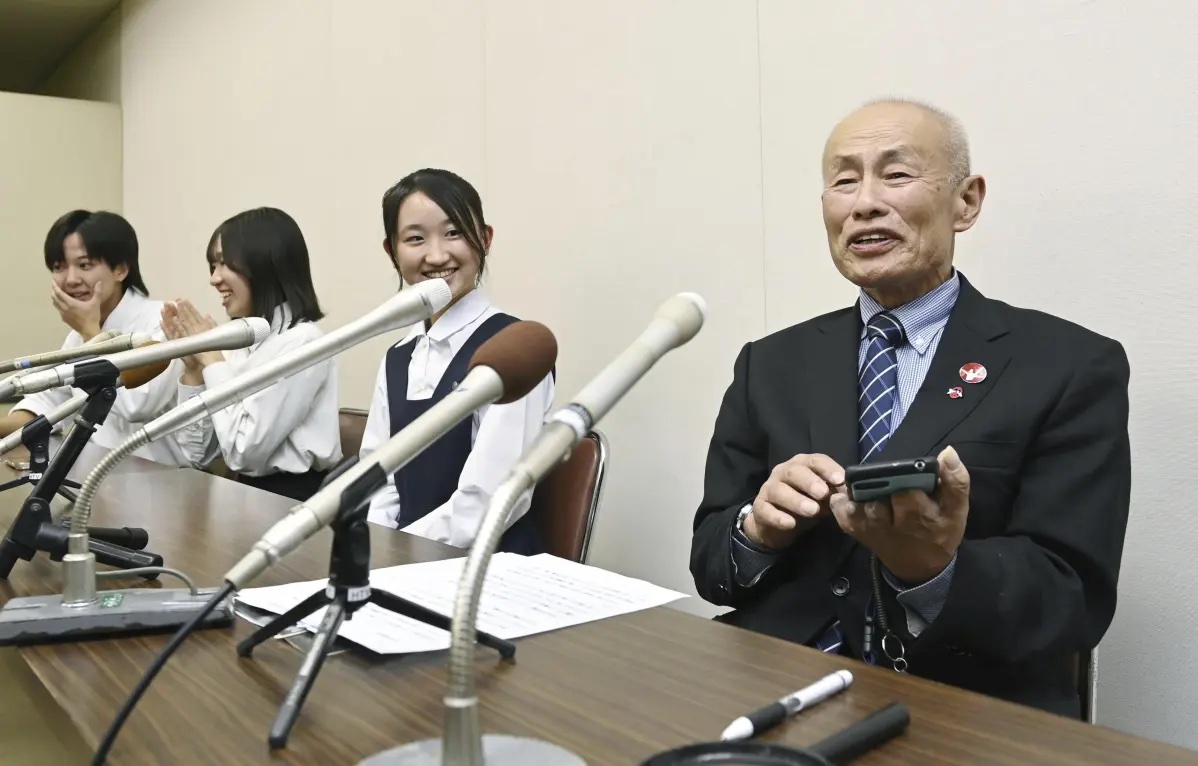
{"x": 771, "y": 715}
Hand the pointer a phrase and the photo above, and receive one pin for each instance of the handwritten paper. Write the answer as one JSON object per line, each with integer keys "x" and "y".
{"x": 522, "y": 596}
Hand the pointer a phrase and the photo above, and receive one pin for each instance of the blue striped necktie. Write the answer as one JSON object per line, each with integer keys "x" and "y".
{"x": 879, "y": 384}
{"x": 875, "y": 404}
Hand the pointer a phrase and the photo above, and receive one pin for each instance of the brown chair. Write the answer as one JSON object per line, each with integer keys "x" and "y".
{"x": 566, "y": 501}
{"x": 1088, "y": 684}
{"x": 1084, "y": 671}
{"x": 353, "y": 424}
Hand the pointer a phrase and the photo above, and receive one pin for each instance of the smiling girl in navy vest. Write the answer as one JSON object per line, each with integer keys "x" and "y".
{"x": 435, "y": 228}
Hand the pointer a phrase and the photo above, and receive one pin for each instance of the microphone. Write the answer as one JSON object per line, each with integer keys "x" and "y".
{"x": 106, "y": 335}
{"x": 129, "y": 379}
{"x": 410, "y": 305}
{"x": 108, "y": 345}
{"x": 504, "y": 369}
{"x": 239, "y": 333}
{"x": 677, "y": 321}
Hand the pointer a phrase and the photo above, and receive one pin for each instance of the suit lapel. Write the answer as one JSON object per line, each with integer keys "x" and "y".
{"x": 971, "y": 335}
{"x": 832, "y": 386}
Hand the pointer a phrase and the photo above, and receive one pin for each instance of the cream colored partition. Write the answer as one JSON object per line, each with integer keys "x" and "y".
{"x": 616, "y": 179}
{"x": 310, "y": 106}
{"x": 1083, "y": 119}
{"x": 55, "y": 155}
{"x": 406, "y": 93}
{"x": 226, "y": 109}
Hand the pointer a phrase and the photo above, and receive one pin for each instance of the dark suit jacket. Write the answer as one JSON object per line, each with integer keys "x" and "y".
{"x": 1045, "y": 440}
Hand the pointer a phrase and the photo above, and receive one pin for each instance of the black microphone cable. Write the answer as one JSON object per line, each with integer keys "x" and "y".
{"x": 101, "y": 755}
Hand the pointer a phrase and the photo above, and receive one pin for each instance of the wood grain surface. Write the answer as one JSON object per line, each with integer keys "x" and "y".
{"x": 615, "y": 691}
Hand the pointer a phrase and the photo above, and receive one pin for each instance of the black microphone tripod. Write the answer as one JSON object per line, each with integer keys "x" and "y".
{"x": 348, "y": 590}
{"x": 34, "y": 529}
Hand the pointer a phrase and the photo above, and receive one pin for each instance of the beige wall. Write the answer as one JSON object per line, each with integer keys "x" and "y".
{"x": 630, "y": 149}
{"x": 55, "y": 155}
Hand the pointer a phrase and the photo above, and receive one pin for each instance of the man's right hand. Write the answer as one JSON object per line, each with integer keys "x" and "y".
{"x": 792, "y": 500}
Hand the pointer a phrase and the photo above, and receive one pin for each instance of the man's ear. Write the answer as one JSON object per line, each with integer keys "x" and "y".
{"x": 970, "y": 196}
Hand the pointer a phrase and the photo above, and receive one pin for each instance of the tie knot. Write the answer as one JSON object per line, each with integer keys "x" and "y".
{"x": 886, "y": 326}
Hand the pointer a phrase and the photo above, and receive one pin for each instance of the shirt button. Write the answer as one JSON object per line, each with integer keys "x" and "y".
{"x": 840, "y": 586}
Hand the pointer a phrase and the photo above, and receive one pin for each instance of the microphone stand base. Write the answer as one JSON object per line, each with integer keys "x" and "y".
{"x": 498, "y": 750}
{"x": 43, "y": 619}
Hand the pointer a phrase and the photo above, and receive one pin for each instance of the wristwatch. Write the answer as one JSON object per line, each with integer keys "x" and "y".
{"x": 741, "y": 515}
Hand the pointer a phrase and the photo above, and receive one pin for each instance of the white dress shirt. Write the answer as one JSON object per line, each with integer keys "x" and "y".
{"x": 133, "y": 407}
{"x": 290, "y": 427}
{"x": 499, "y": 433}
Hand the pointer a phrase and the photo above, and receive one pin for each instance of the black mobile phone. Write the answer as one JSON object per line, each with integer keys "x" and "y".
{"x": 869, "y": 481}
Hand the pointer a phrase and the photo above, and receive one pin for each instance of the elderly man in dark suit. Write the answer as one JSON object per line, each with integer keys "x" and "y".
{"x": 999, "y": 577}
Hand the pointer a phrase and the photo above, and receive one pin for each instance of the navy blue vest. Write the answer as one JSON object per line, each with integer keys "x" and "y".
{"x": 430, "y": 479}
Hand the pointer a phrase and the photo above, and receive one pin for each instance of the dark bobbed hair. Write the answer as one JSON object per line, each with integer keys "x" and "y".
{"x": 106, "y": 236}
{"x": 266, "y": 246}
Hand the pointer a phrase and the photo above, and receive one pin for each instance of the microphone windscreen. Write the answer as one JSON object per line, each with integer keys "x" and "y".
{"x": 259, "y": 327}
{"x": 687, "y": 312}
{"x": 139, "y": 376}
{"x": 522, "y": 354}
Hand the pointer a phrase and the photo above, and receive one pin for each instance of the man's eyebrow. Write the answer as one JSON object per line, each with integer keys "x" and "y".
{"x": 899, "y": 154}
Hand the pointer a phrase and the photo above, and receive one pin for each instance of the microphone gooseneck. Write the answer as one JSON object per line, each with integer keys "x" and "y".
{"x": 87, "y": 491}
{"x": 79, "y": 563}
{"x": 677, "y": 321}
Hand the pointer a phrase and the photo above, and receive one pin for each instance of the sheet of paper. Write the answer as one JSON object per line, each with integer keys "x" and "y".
{"x": 522, "y": 596}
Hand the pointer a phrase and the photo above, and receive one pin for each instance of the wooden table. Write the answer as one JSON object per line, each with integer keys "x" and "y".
{"x": 614, "y": 691}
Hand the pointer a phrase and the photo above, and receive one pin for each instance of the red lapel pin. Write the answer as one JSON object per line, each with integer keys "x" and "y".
{"x": 973, "y": 373}
{"x": 955, "y": 392}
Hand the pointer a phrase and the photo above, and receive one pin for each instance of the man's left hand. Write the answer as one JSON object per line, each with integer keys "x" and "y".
{"x": 915, "y": 535}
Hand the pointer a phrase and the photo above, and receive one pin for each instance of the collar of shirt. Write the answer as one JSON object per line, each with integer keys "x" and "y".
{"x": 456, "y": 318}
{"x": 280, "y": 318}
{"x": 922, "y": 317}
{"x": 435, "y": 348}
{"x": 127, "y": 312}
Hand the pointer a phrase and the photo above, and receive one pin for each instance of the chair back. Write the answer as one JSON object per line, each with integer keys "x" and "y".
{"x": 1086, "y": 677}
{"x": 566, "y": 501}
{"x": 353, "y": 425}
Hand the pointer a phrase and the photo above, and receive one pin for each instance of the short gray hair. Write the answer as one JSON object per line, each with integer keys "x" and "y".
{"x": 956, "y": 142}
